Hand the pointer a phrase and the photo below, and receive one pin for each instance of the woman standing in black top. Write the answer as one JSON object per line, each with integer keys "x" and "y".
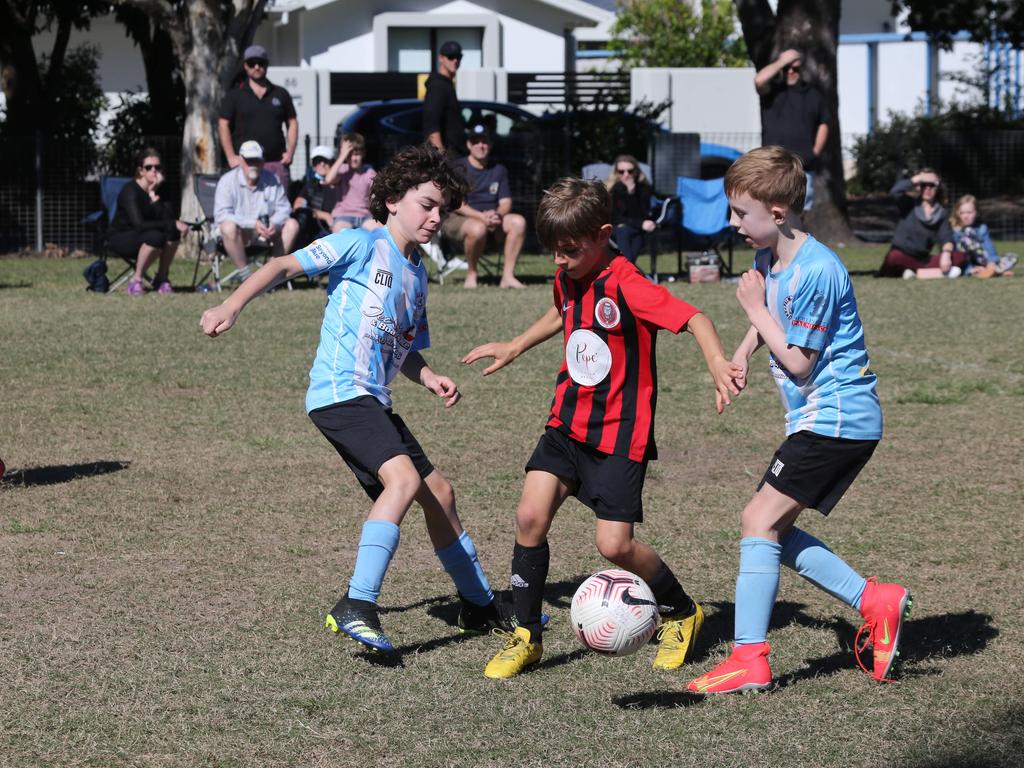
{"x": 143, "y": 228}
{"x": 631, "y": 205}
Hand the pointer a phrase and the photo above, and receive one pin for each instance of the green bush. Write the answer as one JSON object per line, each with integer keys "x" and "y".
{"x": 977, "y": 149}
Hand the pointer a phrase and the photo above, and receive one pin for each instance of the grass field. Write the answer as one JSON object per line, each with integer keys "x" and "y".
{"x": 173, "y": 528}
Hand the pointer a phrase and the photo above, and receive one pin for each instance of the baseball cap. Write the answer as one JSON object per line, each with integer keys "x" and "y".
{"x": 251, "y": 150}
{"x": 451, "y": 50}
{"x": 256, "y": 52}
{"x": 322, "y": 150}
{"x": 479, "y": 131}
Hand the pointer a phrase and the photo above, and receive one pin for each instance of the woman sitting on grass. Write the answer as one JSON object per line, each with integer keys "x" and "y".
{"x": 922, "y": 224}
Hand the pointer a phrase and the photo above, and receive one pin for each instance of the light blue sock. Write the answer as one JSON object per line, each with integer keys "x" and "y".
{"x": 460, "y": 560}
{"x": 756, "y": 588}
{"x": 377, "y": 546}
{"x": 822, "y": 567}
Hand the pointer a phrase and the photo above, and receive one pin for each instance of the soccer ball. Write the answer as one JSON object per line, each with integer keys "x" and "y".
{"x": 614, "y": 612}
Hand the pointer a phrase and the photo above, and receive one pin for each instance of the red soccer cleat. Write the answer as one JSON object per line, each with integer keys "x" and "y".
{"x": 884, "y": 607}
{"x": 746, "y": 669}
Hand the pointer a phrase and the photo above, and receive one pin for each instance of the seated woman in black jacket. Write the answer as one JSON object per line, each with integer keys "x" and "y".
{"x": 923, "y": 224}
{"x": 631, "y": 205}
{"x": 143, "y": 227}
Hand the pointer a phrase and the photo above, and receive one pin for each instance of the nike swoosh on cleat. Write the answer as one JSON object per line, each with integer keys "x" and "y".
{"x": 707, "y": 682}
{"x": 885, "y": 635}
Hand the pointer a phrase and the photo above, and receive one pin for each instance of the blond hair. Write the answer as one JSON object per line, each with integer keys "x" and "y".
{"x": 771, "y": 175}
{"x": 572, "y": 209}
{"x": 954, "y": 215}
{"x": 613, "y": 177}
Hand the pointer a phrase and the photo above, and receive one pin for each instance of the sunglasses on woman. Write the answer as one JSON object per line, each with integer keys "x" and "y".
{"x": 152, "y": 167}
{"x": 625, "y": 171}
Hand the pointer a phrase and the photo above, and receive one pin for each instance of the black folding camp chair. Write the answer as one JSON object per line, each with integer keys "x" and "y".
{"x": 99, "y": 221}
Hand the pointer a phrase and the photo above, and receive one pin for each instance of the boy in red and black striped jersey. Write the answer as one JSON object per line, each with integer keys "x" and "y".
{"x": 600, "y": 434}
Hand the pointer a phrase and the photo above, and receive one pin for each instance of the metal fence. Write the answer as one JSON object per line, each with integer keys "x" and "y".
{"x": 46, "y": 190}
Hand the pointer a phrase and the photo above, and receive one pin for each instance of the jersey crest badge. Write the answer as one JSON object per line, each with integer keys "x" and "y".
{"x": 607, "y": 313}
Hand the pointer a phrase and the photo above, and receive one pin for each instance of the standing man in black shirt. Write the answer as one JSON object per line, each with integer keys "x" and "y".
{"x": 443, "y": 125}
{"x": 255, "y": 111}
{"x": 793, "y": 113}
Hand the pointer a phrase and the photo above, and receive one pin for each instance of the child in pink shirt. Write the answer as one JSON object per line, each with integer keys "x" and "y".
{"x": 353, "y": 180}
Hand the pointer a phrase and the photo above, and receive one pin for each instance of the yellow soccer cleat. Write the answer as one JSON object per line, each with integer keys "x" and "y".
{"x": 517, "y": 654}
{"x": 676, "y": 638}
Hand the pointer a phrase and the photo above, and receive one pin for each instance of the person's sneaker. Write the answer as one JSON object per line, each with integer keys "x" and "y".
{"x": 909, "y": 274}
{"x": 954, "y": 272}
{"x": 676, "y": 638}
{"x": 358, "y": 619}
{"x": 163, "y": 285}
{"x": 746, "y": 669}
{"x": 481, "y": 619}
{"x": 1006, "y": 263}
{"x": 517, "y": 654}
{"x": 884, "y": 607}
{"x": 135, "y": 288}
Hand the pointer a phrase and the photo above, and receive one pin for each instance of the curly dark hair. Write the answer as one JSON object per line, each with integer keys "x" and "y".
{"x": 409, "y": 168}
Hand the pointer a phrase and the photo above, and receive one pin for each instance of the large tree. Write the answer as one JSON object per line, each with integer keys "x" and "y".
{"x": 811, "y": 26}
{"x": 672, "y": 33}
{"x": 208, "y": 38}
{"x": 30, "y": 80}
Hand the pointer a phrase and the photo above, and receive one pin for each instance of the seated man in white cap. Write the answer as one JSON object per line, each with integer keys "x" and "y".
{"x": 315, "y": 201}
{"x": 250, "y": 205}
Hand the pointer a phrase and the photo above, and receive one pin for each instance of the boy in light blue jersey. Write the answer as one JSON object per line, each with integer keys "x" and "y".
{"x": 375, "y": 324}
{"x": 800, "y": 303}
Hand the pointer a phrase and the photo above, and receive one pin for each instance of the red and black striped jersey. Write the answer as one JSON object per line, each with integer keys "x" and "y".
{"x": 607, "y": 388}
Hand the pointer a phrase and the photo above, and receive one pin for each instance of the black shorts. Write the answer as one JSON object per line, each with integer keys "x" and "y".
{"x": 127, "y": 244}
{"x": 367, "y": 434}
{"x": 612, "y": 486}
{"x": 816, "y": 470}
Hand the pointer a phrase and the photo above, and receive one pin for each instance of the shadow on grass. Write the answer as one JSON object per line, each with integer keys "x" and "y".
{"x": 657, "y": 700}
{"x": 9, "y": 286}
{"x": 61, "y": 473}
{"x": 953, "y": 634}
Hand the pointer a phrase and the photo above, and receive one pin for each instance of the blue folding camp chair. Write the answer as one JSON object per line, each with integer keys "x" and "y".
{"x": 99, "y": 221}
{"x": 705, "y": 223}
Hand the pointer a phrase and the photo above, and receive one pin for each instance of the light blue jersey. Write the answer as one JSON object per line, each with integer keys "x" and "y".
{"x": 375, "y": 315}
{"x": 812, "y": 301}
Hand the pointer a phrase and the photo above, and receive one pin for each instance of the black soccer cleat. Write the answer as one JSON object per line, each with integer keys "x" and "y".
{"x": 358, "y": 619}
{"x": 481, "y": 619}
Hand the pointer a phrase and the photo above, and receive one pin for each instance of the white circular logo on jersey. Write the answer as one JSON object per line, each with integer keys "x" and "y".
{"x": 607, "y": 313}
{"x": 587, "y": 357}
{"x": 493, "y": 188}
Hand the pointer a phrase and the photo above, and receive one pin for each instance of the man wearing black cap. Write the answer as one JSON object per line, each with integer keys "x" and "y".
{"x": 486, "y": 210}
{"x": 255, "y": 111}
{"x": 442, "y": 116}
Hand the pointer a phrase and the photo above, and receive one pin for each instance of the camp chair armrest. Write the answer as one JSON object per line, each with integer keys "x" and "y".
{"x": 666, "y": 209}
{"x": 92, "y": 219}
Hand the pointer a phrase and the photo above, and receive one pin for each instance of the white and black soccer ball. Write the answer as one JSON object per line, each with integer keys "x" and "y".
{"x": 614, "y": 612}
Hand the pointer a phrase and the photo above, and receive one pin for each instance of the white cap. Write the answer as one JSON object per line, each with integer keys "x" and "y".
{"x": 251, "y": 150}
{"x": 322, "y": 150}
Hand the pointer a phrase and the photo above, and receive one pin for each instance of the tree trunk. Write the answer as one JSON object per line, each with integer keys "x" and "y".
{"x": 23, "y": 86}
{"x": 811, "y": 26}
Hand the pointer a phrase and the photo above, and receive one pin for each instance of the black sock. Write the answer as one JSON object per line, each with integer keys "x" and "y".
{"x": 529, "y": 573}
{"x": 671, "y": 597}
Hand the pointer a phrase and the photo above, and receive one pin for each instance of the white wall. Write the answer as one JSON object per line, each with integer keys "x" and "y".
{"x": 852, "y": 67}
{"x": 705, "y": 101}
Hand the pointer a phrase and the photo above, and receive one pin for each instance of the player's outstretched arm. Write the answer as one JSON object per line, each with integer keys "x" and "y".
{"x": 750, "y": 294}
{"x": 504, "y": 352}
{"x": 723, "y": 371}
{"x": 752, "y": 341}
{"x": 415, "y": 368}
{"x": 219, "y": 319}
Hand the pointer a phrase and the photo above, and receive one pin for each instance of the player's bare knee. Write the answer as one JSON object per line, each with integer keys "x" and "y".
{"x": 615, "y": 549}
